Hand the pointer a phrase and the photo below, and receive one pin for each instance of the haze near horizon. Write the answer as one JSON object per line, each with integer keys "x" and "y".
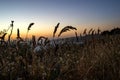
{"x": 81, "y": 14}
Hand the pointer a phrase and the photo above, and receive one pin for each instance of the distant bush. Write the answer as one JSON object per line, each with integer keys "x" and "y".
{"x": 111, "y": 32}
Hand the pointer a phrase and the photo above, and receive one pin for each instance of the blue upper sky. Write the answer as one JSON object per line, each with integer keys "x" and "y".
{"x": 47, "y": 13}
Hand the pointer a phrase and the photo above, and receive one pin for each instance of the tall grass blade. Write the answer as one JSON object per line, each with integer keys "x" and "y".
{"x": 18, "y": 33}
{"x": 98, "y": 31}
{"x": 85, "y": 32}
{"x": 55, "y": 30}
{"x": 76, "y": 36}
{"x": 3, "y": 37}
{"x": 89, "y": 32}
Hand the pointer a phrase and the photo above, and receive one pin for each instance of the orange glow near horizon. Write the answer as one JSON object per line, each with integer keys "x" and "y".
{"x": 42, "y": 29}
{"x": 47, "y": 30}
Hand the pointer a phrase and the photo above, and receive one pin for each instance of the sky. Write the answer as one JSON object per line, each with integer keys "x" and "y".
{"x": 103, "y": 14}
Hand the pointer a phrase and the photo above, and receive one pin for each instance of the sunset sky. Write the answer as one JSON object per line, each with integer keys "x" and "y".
{"x": 81, "y": 14}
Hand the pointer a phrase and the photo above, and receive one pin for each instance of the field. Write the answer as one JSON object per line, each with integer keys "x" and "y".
{"x": 65, "y": 59}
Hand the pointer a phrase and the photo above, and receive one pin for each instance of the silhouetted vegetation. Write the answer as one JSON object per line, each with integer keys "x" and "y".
{"x": 112, "y": 32}
{"x": 89, "y": 56}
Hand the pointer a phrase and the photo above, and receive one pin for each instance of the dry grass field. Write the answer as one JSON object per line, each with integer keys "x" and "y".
{"x": 95, "y": 59}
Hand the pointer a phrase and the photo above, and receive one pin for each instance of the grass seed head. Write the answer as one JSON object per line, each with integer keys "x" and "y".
{"x": 67, "y": 28}
{"x": 55, "y": 30}
{"x": 30, "y": 25}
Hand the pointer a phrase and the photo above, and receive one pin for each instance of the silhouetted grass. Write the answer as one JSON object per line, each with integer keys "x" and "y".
{"x": 94, "y": 59}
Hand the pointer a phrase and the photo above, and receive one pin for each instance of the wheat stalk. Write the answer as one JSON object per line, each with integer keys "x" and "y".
{"x": 85, "y": 32}
{"x": 18, "y": 33}
{"x": 18, "y": 36}
{"x": 30, "y": 25}
{"x": 41, "y": 38}
{"x": 33, "y": 41}
{"x": 90, "y": 30}
{"x": 3, "y": 37}
{"x": 67, "y": 28}
{"x": 55, "y": 30}
{"x": 76, "y": 36}
{"x": 93, "y": 32}
{"x": 98, "y": 31}
{"x": 11, "y": 25}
